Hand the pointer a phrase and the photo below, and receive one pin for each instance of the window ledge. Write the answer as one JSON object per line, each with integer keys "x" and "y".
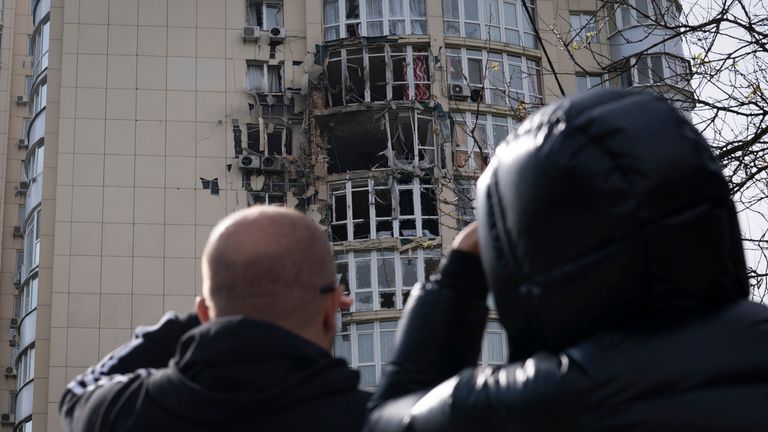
{"x": 396, "y": 243}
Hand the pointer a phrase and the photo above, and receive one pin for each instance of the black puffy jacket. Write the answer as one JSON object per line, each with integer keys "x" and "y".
{"x": 230, "y": 374}
{"x": 613, "y": 251}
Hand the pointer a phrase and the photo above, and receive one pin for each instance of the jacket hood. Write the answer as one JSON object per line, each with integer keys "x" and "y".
{"x": 238, "y": 365}
{"x": 601, "y": 210}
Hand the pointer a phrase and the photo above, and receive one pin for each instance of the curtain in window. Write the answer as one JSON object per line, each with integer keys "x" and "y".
{"x": 331, "y": 19}
{"x": 255, "y": 81}
{"x": 253, "y": 13}
{"x": 418, "y": 9}
{"x": 375, "y": 17}
{"x": 274, "y": 79}
{"x": 387, "y": 342}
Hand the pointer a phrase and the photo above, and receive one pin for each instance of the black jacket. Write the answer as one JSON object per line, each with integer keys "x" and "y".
{"x": 229, "y": 374}
{"x": 613, "y": 251}
{"x": 705, "y": 373}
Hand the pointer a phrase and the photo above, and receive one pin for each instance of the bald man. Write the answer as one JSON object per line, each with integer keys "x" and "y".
{"x": 254, "y": 356}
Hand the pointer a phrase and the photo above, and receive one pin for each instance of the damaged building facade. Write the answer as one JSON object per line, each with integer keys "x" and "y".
{"x": 133, "y": 126}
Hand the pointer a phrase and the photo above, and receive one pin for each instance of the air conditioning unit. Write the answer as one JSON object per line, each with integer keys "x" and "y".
{"x": 458, "y": 92}
{"x": 17, "y": 232}
{"x": 17, "y": 279}
{"x": 249, "y": 161}
{"x": 272, "y": 163}
{"x": 277, "y": 34}
{"x": 10, "y": 372}
{"x": 21, "y": 100}
{"x": 7, "y": 419}
{"x": 14, "y": 323}
{"x": 251, "y": 33}
{"x": 22, "y": 144}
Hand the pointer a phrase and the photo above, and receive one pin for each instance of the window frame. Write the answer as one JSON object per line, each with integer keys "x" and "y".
{"x": 352, "y": 333}
{"x": 253, "y": 21}
{"x": 266, "y": 67}
{"x": 589, "y": 82}
{"x": 581, "y": 33}
{"x": 472, "y": 159}
{"x": 347, "y": 189}
{"x": 414, "y": 88}
{"x": 387, "y": 19}
{"x": 526, "y": 35}
{"x": 532, "y": 92}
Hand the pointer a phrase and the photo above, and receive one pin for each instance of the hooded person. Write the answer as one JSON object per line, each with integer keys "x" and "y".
{"x": 608, "y": 239}
{"x": 254, "y": 357}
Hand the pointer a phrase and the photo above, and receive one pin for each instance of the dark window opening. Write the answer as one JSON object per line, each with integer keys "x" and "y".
{"x": 402, "y": 138}
{"x": 359, "y": 143}
{"x": 387, "y": 299}
{"x": 406, "y": 202}
{"x": 377, "y": 66}
{"x": 355, "y": 76}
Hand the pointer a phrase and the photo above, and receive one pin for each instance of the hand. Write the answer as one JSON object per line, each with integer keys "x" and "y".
{"x": 468, "y": 240}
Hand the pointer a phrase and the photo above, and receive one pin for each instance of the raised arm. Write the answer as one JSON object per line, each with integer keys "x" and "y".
{"x": 84, "y": 402}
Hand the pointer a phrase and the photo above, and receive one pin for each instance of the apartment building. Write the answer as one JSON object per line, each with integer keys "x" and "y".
{"x": 133, "y": 126}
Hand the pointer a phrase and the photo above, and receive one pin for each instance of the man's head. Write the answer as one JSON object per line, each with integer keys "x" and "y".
{"x": 603, "y": 210}
{"x": 271, "y": 264}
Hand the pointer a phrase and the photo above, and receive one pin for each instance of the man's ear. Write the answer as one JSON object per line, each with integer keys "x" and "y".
{"x": 202, "y": 310}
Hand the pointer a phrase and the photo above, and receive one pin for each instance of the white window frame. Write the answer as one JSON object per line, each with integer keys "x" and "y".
{"x": 484, "y": 131}
{"x": 25, "y": 367}
{"x": 350, "y": 334}
{"x": 466, "y": 194}
{"x": 386, "y": 20}
{"x": 426, "y": 264}
{"x": 410, "y": 53}
{"x": 253, "y": 20}
{"x": 32, "y": 242}
{"x": 507, "y": 26}
{"x": 395, "y": 190}
{"x": 41, "y": 38}
{"x": 588, "y": 82}
{"x": 531, "y": 91}
{"x": 583, "y": 28}
{"x": 266, "y": 68}
{"x": 27, "y": 297}
{"x": 493, "y": 332}
{"x": 39, "y": 98}
{"x": 628, "y": 14}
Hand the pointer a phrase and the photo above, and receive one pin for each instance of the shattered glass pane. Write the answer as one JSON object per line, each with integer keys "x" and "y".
{"x": 407, "y": 228}
{"x": 406, "y": 202}
{"x": 428, "y": 202}
{"x": 384, "y": 229}
{"x": 383, "y": 202}
{"x": 361, "y": 230}
{"x": 339, "y": 208}
{"x": 333, "y": 72}
{"x": 430, "y": 228}
{"x": 355, "y": 91}
{"x": 360, "y": 208}
{"x": 387, "y": 299}
{"x": 253, "y": 137}
{"x": 378, "y": 75}
{"x": 402, "y": 138}
{"x": 359, "y": 143}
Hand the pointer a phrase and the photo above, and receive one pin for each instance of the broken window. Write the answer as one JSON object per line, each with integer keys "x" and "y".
{"x": 382, "y": 279}
{"x": 378, "y": 73}
{"x": 358, "y": 143}
{"x": 265, "y": 198}
{"x": 368, "y": 141}
{"x": 263, "y": 78}
{"x": 368, "y": 209}
{"x": 264, "y": 14}
{"x": 278, "y": 139}
{"x": 353, "y": 18}
{"x": 476, "y": 137}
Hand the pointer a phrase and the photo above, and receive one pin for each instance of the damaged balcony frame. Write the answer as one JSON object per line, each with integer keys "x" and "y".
{"x": 401, "y": 139}
{"x": 378, "y": 73}
{"x": 382, "y": 279}
{"x": 379, "y": 208}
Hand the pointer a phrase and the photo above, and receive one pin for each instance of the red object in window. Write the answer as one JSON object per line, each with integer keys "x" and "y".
{"x": 420, "y": 73}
